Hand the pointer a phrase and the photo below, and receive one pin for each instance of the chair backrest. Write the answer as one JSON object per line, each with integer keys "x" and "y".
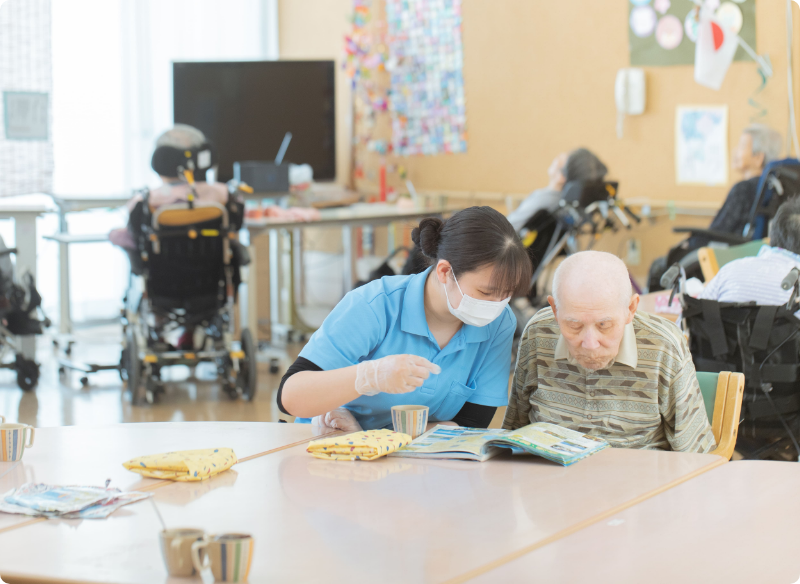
{"x": 188, "y": 254}
{"x": 762, "y": 342}
{"x": 722, "y": 395}
{"x": 712, "y": 259}
{"x": 779, "y": 182}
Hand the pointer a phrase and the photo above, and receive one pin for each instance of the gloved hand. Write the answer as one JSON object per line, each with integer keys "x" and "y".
{"x": 393, "y": 374}
{"x": 340, "y": 419}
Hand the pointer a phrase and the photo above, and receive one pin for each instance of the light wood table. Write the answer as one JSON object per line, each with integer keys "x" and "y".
{"x": 647, "y": 303}
{"x": 392, "y": 520}
{"x": 80, "y": 455}
{"x": 734, "y": 524}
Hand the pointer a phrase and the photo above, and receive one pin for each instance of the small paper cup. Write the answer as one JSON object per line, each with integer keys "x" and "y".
{"x": 410, "y": 420}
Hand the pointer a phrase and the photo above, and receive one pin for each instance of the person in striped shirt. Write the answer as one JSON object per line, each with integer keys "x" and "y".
{"x": 758, "y": 279}
{"x": 592, "y": 363}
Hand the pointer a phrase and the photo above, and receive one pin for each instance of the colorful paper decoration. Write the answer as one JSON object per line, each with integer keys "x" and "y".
{"x": 669, "y": 32}
{"x": 426, "y": 101}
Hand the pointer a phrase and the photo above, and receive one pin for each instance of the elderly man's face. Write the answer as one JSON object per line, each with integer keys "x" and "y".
{"x": 743, "y": 157}
{"x": 592, "y": 324}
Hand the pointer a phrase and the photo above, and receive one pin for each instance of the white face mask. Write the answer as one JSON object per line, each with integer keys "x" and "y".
{"x": 475, "y": 312}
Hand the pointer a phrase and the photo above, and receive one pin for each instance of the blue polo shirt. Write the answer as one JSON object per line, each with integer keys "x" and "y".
{"x": 387, "y": 317}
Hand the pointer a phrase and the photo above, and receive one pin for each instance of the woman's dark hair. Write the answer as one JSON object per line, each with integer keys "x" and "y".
{"x": 784, "y": 231}
{"x": 474, "y": 238}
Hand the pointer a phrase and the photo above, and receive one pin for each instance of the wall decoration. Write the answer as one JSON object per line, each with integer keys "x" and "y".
{"x": 426, "y": 100}
{"x": 667, "y": 46}
{"x": 701, "y": 145}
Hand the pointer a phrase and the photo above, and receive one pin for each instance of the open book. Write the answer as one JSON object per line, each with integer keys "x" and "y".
{"x": 549, "y": 441}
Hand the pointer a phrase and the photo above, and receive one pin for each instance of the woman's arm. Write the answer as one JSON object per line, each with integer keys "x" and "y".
{"x": 311, "y": 393}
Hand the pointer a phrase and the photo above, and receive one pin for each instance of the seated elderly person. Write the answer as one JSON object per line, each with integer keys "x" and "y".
{"x": 758, "y": 146}
{"x": 593, "y": 364}
{"x": 758, "y": 279}
{"x": 580, "y": 164}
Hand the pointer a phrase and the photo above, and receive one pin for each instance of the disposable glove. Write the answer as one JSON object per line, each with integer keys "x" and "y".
{"x": 393, "y": 374}
{"x": 339, "y": 419}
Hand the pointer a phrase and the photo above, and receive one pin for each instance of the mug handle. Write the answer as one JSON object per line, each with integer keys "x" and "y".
{"x": 2, "y": 419}
{"x": 196, "y": 547}
{"x": 31, "y": 430}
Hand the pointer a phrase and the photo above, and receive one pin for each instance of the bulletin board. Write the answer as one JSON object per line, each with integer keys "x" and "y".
{"x": 663, "y": 32}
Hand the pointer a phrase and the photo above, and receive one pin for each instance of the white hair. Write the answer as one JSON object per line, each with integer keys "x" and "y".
{"x": 766, "y": 141}
{"x": 181, "y": 136}
{"x": 599, "y": 269}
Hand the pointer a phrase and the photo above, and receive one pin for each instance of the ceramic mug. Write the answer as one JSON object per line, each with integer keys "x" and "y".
{"x": 14, "y": 438}
{"x": 410, "y": 420}
{"x": 176, "y": 547}
{"x": 228, "y": 554}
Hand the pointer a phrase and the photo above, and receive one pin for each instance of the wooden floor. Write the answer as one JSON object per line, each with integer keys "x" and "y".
{"x": 64, "y": 402}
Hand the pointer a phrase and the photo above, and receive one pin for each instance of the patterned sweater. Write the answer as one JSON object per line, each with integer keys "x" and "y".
{"x": 649, "y": 399}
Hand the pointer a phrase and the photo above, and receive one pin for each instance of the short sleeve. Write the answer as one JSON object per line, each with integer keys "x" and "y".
{"x": 349, "y": 334}
{"x": 491, "y": 381}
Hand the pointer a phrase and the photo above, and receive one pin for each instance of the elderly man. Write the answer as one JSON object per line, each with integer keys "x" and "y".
{"x": 758, "y": 146}
{"x": 591, "y": 363}
{"x": 758, "y": 279}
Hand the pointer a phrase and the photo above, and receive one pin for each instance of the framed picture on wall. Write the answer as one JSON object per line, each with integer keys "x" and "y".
{"x": 701, "y": 145}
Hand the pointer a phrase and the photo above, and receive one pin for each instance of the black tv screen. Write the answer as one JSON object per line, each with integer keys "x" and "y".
{"x": 245, "y": 108}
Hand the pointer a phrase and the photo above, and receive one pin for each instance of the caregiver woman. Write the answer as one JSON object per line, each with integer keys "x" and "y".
{"x": 441, "y": 338}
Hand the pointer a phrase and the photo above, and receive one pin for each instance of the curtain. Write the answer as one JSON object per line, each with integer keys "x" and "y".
{"x": 26, "y": 146}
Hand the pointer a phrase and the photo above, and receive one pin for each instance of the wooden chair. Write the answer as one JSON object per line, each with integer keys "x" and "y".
{"x": 722, "y": 394}
{"x": 712, "y": 259}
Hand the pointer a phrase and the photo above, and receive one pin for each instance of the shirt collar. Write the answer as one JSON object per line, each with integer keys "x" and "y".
{"x": 628, "y": 350}
{"x": 413, "y": 318}
{"x": 767, "y": 250}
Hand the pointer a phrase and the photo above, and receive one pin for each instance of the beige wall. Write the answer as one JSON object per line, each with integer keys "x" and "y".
{"x": 539, "y": 77}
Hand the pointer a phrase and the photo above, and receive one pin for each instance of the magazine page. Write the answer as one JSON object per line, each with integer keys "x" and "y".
{"x": 455, "y": 441}
{"x": 553, "y": 442}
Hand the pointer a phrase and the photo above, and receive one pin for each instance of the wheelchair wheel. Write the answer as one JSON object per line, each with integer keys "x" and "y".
{"x": 133, "y": 369}
{"x": 247, "y": 378}
{"x": 27, "y": 373}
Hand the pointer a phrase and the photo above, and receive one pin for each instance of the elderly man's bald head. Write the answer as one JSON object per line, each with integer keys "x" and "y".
{"x": 598, "y": 275}
{"x": 593, "y": 302}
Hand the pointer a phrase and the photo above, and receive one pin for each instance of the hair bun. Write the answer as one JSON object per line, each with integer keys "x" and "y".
{"x": 428, "y": 235}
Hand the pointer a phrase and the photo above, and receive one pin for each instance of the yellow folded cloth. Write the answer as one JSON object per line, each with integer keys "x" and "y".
{"x": 185, "y": 465}
{"x": 367, "y": 445}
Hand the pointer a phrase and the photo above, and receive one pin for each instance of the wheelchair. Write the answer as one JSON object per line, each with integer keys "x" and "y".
{"x": 21, "y": 314}
{"x": 188, "y": 276}
{"x": 585, "y": 208}
{"x": 763, "y": 343}
{"x": 779, "y": 182}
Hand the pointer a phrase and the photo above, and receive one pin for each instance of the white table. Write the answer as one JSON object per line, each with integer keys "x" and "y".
{"x": 391, "y": 520}
{"x": 73, "y": 204}
{"x": 281, "y": 303}
{"x": 735, "y": 524}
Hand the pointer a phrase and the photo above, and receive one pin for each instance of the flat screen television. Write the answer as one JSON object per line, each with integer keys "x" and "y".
{"x": 246, "y": 107}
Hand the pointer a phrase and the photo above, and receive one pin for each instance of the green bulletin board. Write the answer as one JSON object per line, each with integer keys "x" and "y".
{"x": 646, "y": 51}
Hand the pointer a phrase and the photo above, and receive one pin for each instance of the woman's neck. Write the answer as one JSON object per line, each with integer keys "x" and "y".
{"x": 440, "y": 322}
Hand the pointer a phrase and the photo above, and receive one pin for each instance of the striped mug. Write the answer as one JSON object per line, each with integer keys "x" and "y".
{"x": 14, "y": 438}
{"x": 410, "y": 420}
{"x": 228, "y": 555}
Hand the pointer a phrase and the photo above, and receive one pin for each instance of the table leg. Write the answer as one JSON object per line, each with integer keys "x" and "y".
{"x": 249, "y": 316}
{"x": 64, "y": 311}
{"x": 25, "y": 242}
{"x": 348, "y": 251}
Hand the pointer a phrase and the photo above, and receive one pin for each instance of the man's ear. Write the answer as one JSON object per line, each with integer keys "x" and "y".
{"x": 632, "y": 308}
{"x": 552, "y": 302}
{"x": 762, "y": 160}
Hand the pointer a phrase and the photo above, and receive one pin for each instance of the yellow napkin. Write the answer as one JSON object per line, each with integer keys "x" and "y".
{"x": 367, "y": 445}
{"x": 186, "y": 465}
